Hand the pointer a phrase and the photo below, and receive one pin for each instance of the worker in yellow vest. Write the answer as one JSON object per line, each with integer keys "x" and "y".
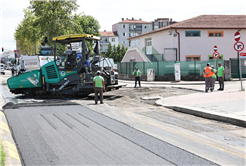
{"x": 208, "y": 73}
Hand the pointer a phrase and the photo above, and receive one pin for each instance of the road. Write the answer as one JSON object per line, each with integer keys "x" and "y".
{"x": 123, "y": 131}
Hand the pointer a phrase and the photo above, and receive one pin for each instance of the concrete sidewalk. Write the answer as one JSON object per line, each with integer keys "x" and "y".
{"x": 227, "y": 106}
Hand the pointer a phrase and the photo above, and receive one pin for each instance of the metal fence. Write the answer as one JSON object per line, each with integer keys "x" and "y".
{"x": 167, "y": 67}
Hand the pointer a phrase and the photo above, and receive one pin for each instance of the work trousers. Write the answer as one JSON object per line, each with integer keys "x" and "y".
{"x": 213, "y": 79}
{"x": 98, "y": 90}
{"x": 137, "y": 79}
{"x": 221, "y": 82}
{"x": 209, "y": 83}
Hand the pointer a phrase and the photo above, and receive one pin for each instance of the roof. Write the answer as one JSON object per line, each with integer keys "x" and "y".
{"x": 206, "y": 22}
{"x": 109, "y": 33}
{"x": 74, "y": 38}
{"x": 135, "y": 22}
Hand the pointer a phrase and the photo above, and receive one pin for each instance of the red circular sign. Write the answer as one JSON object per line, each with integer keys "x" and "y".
{"x": 216, "y": 55}
{"x": 238, "y": 46}
{"x": 215, "y": 48}
{"x": 237, "y": 36}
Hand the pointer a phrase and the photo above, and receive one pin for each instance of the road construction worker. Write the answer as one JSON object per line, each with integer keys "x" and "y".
{"x": 13, "y": 71}
{"x": 137, "y": 74}
{"x": 221, "y": 74}
{"x": 68, "y": 51}
{"x": 214, "y": 76}
{"x": 208, "y": 74}
{"x": 99, "y": 87}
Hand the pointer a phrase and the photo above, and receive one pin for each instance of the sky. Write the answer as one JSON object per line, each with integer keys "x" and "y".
{"x": 109, "y": 12}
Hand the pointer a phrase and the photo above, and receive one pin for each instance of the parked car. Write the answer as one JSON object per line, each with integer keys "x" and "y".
{"x": 2, "y": 70}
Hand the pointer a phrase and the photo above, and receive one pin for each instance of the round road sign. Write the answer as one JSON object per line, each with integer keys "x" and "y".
{"x": 238, "y": 46}
{"x": 237, "y": 36}
{"x": 215, "y": 48}
{"x": 216, "y": 55}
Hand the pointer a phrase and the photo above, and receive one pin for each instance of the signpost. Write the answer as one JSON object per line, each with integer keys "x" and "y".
{"x": 239, "y": 46}
{"x": 216, "y": 55}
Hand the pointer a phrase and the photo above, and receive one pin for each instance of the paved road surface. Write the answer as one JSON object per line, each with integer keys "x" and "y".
{"x": 76, "y": 135}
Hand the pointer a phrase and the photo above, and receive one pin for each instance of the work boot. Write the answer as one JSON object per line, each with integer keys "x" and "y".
{"x": 219, "y": 89}
{"x": 206, "y": 90}
{"x": 101, "y": 103}
{"x": 95, "y": 102}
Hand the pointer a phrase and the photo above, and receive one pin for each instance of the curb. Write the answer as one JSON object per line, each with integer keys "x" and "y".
{"x": 12, "y": 155}
{"x": 202, "y": 113}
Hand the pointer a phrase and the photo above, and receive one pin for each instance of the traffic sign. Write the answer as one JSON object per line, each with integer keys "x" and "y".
{"x": 238, "y": 46}
{"x": 215, "y": 48}
{"x": 237, "y": 36}
{"x": 216, "y": 55}
{"x": 242, "y": 55}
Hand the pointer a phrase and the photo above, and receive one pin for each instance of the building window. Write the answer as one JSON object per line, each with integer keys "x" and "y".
{"x": 193, "y": 57}
{"x": 113, "y": 39}
{"x": 124, "y": 34}
{"x": 192, "y": 33}
{"x": 132, "y": 60}
{"x": 124, "y": 26}
{"x": 148, "y": 42}
{"x": 215, "y": 34}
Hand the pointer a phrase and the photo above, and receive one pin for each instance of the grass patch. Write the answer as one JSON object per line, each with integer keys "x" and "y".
{"x": 3, "y": 155}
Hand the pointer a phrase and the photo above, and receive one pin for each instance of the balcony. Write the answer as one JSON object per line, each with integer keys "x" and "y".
{"x": 104, "y": 41}
{"x": 135, "y": 29}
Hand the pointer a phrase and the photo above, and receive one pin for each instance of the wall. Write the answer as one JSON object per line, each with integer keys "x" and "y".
{"x": 148, "y": 29}
{"x": 116, "y": 40}
{"x": 204, "y": 45}
{"x": 161, "y": 40}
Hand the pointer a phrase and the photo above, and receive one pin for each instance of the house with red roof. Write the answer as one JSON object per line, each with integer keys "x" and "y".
{"x": 189, "y": 40}
{"x": 106, "y": 37}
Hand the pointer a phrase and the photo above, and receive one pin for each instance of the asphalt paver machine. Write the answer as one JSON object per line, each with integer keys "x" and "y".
{"x": 71, "y": 75}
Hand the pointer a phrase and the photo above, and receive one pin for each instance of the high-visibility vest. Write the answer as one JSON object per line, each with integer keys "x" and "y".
{"x": 208, "y": 71}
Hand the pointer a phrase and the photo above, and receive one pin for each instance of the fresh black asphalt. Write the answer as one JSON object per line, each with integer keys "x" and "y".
{"x": 76, "y": 135}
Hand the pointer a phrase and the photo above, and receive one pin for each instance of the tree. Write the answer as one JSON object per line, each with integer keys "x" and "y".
{"x": 27, "y": 35}
{"x": 109, "y": 50}
{"x": 89, "y": 25}
{"x": 54, "y": 17}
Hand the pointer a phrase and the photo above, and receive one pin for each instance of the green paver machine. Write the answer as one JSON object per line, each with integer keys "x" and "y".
{"x": 71, "y": 75}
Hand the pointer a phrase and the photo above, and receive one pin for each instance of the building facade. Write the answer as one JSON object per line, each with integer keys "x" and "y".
{"x": 193, "y": 39}
{"x": 106, "y": 37}
{"x": 129, "y": 28}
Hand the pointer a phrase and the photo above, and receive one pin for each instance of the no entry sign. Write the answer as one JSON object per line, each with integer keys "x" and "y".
{"x": 215, "y": 48}
{"x": 237, "y": 36}
{"x": 238, "y": 46}
{"x": 216, "y": 55}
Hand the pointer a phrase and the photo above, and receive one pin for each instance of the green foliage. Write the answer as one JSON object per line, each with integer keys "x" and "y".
{"x": 3, "y": 155}
{"x": 116, "y": 53}
{"x": 51, "y": 18}
{"x": 54, "y": 17}
{"x": 27, "y": 34}
{"x": 88, "y": 24}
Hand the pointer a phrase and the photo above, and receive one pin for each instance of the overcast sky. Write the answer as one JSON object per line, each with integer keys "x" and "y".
{"x": 109, "y": 12}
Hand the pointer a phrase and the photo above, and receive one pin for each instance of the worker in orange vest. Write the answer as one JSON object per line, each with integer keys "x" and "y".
{"x": 208, "y": 73}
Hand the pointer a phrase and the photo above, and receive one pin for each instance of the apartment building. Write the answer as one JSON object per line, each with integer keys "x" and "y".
{"x": 162, "y": 22}
{"x": 129, "y": 28}
{"x": 106, "y": 37}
